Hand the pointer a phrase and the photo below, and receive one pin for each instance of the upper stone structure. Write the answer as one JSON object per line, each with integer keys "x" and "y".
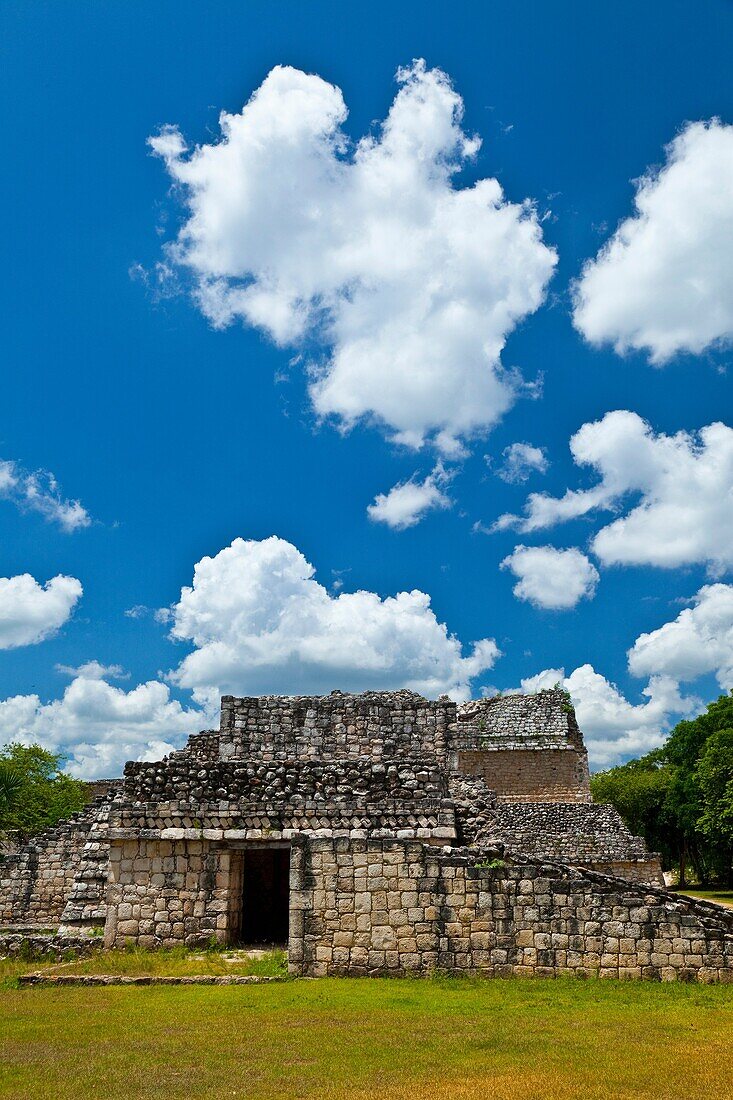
{"x": 528, "y": 748}
{"x": 376, "y": 725}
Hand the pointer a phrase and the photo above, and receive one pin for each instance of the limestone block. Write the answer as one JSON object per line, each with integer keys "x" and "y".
{"x": 363, "y": 902}
{"x": 384, "y": 938}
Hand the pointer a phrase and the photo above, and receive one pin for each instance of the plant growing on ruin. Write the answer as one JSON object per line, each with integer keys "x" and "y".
{"x": 566, "y": 703}
{"x": 490, "y": 865}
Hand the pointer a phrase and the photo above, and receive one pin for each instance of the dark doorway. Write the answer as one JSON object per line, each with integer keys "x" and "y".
{"x": 265, "y": 895}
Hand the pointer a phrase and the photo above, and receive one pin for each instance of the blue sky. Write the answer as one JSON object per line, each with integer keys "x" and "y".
{"x": 178, "y": 437}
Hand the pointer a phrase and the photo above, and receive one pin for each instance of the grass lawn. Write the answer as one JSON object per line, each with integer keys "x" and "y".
{"x": 717, "y": 893}
{"x": 340, "y": 1039}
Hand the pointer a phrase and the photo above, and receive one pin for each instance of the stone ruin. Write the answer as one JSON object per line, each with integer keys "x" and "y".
{"x": 379, "y": 833}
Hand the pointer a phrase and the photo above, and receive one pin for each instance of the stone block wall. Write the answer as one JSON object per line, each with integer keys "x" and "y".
{"x": 203, "y": 746}
{"x": 86, "y": 900}
{"x": 530, "y": 775}
{"x": 35, "y": 882}
{"x": 645, "y": 872}
{"x": 376, "y": 725}
{"x": 60, "y": 876}
{"x": 224, "y": 821}
{"x": 389, "y": 907}
{"x": 46, "y": 947}
{"x": 373, "y": 779}
{"x": 103, "y": 788}
{"x": 163, "y": 893}
{"x": 528, "y": 748}
{"x": 37, "y": 879}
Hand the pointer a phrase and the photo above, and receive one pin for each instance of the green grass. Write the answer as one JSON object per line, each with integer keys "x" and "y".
{"x": 361, "y": 1039}
{"x": 134, "y": 961}
{"x": 176, "y": 962}
{"x": 716, "y": 893}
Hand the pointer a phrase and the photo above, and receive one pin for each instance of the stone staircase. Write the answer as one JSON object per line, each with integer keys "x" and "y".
{"x": 86, "y": 903}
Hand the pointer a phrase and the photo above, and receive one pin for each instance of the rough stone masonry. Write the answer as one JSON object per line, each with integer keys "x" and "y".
{"x": 371, "y": 834}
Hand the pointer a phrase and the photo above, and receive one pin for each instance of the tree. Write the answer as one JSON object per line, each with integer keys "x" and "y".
{"x": 680, "y": 796}
{"x": 34, "y": 792}
{"x": 684, "y": 750}
{"x": 639, "y": 790}
{"x": 9, "y": 785}
{"x": 714, "y": 774}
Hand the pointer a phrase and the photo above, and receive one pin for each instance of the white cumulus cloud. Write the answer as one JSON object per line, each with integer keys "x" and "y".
{"x": 676, "y": 493}
{"x": 615, "y": 729}
{"x": 31, "y": 612}
{"x": 551, "y": 578}
{"x": 409, "y": 285}
{"x": 521, "y": 460}
{"x": 261, "y": 624}
{"x": 39, "y": 491}
{"x": 94, "y": 670}
{"x": 99, "y": 727}
{"x": 408, "y": 502}
{"x": 698, "y": 641}
{"x": 663, "y": 283}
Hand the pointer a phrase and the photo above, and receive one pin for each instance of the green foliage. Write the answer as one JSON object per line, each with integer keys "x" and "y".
{"x": 567, "y": 702}
{"x": 490, "y": 865}
{"x": 715, "y": 782}
{"x": 680, "y": 797}
{"x": 10, "y": 783}
{"x": 34, "y": 792}
{"x": 639, "y": 790}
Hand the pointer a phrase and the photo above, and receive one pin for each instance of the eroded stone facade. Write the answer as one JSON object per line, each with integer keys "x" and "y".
{"x": 60, "y": 875}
